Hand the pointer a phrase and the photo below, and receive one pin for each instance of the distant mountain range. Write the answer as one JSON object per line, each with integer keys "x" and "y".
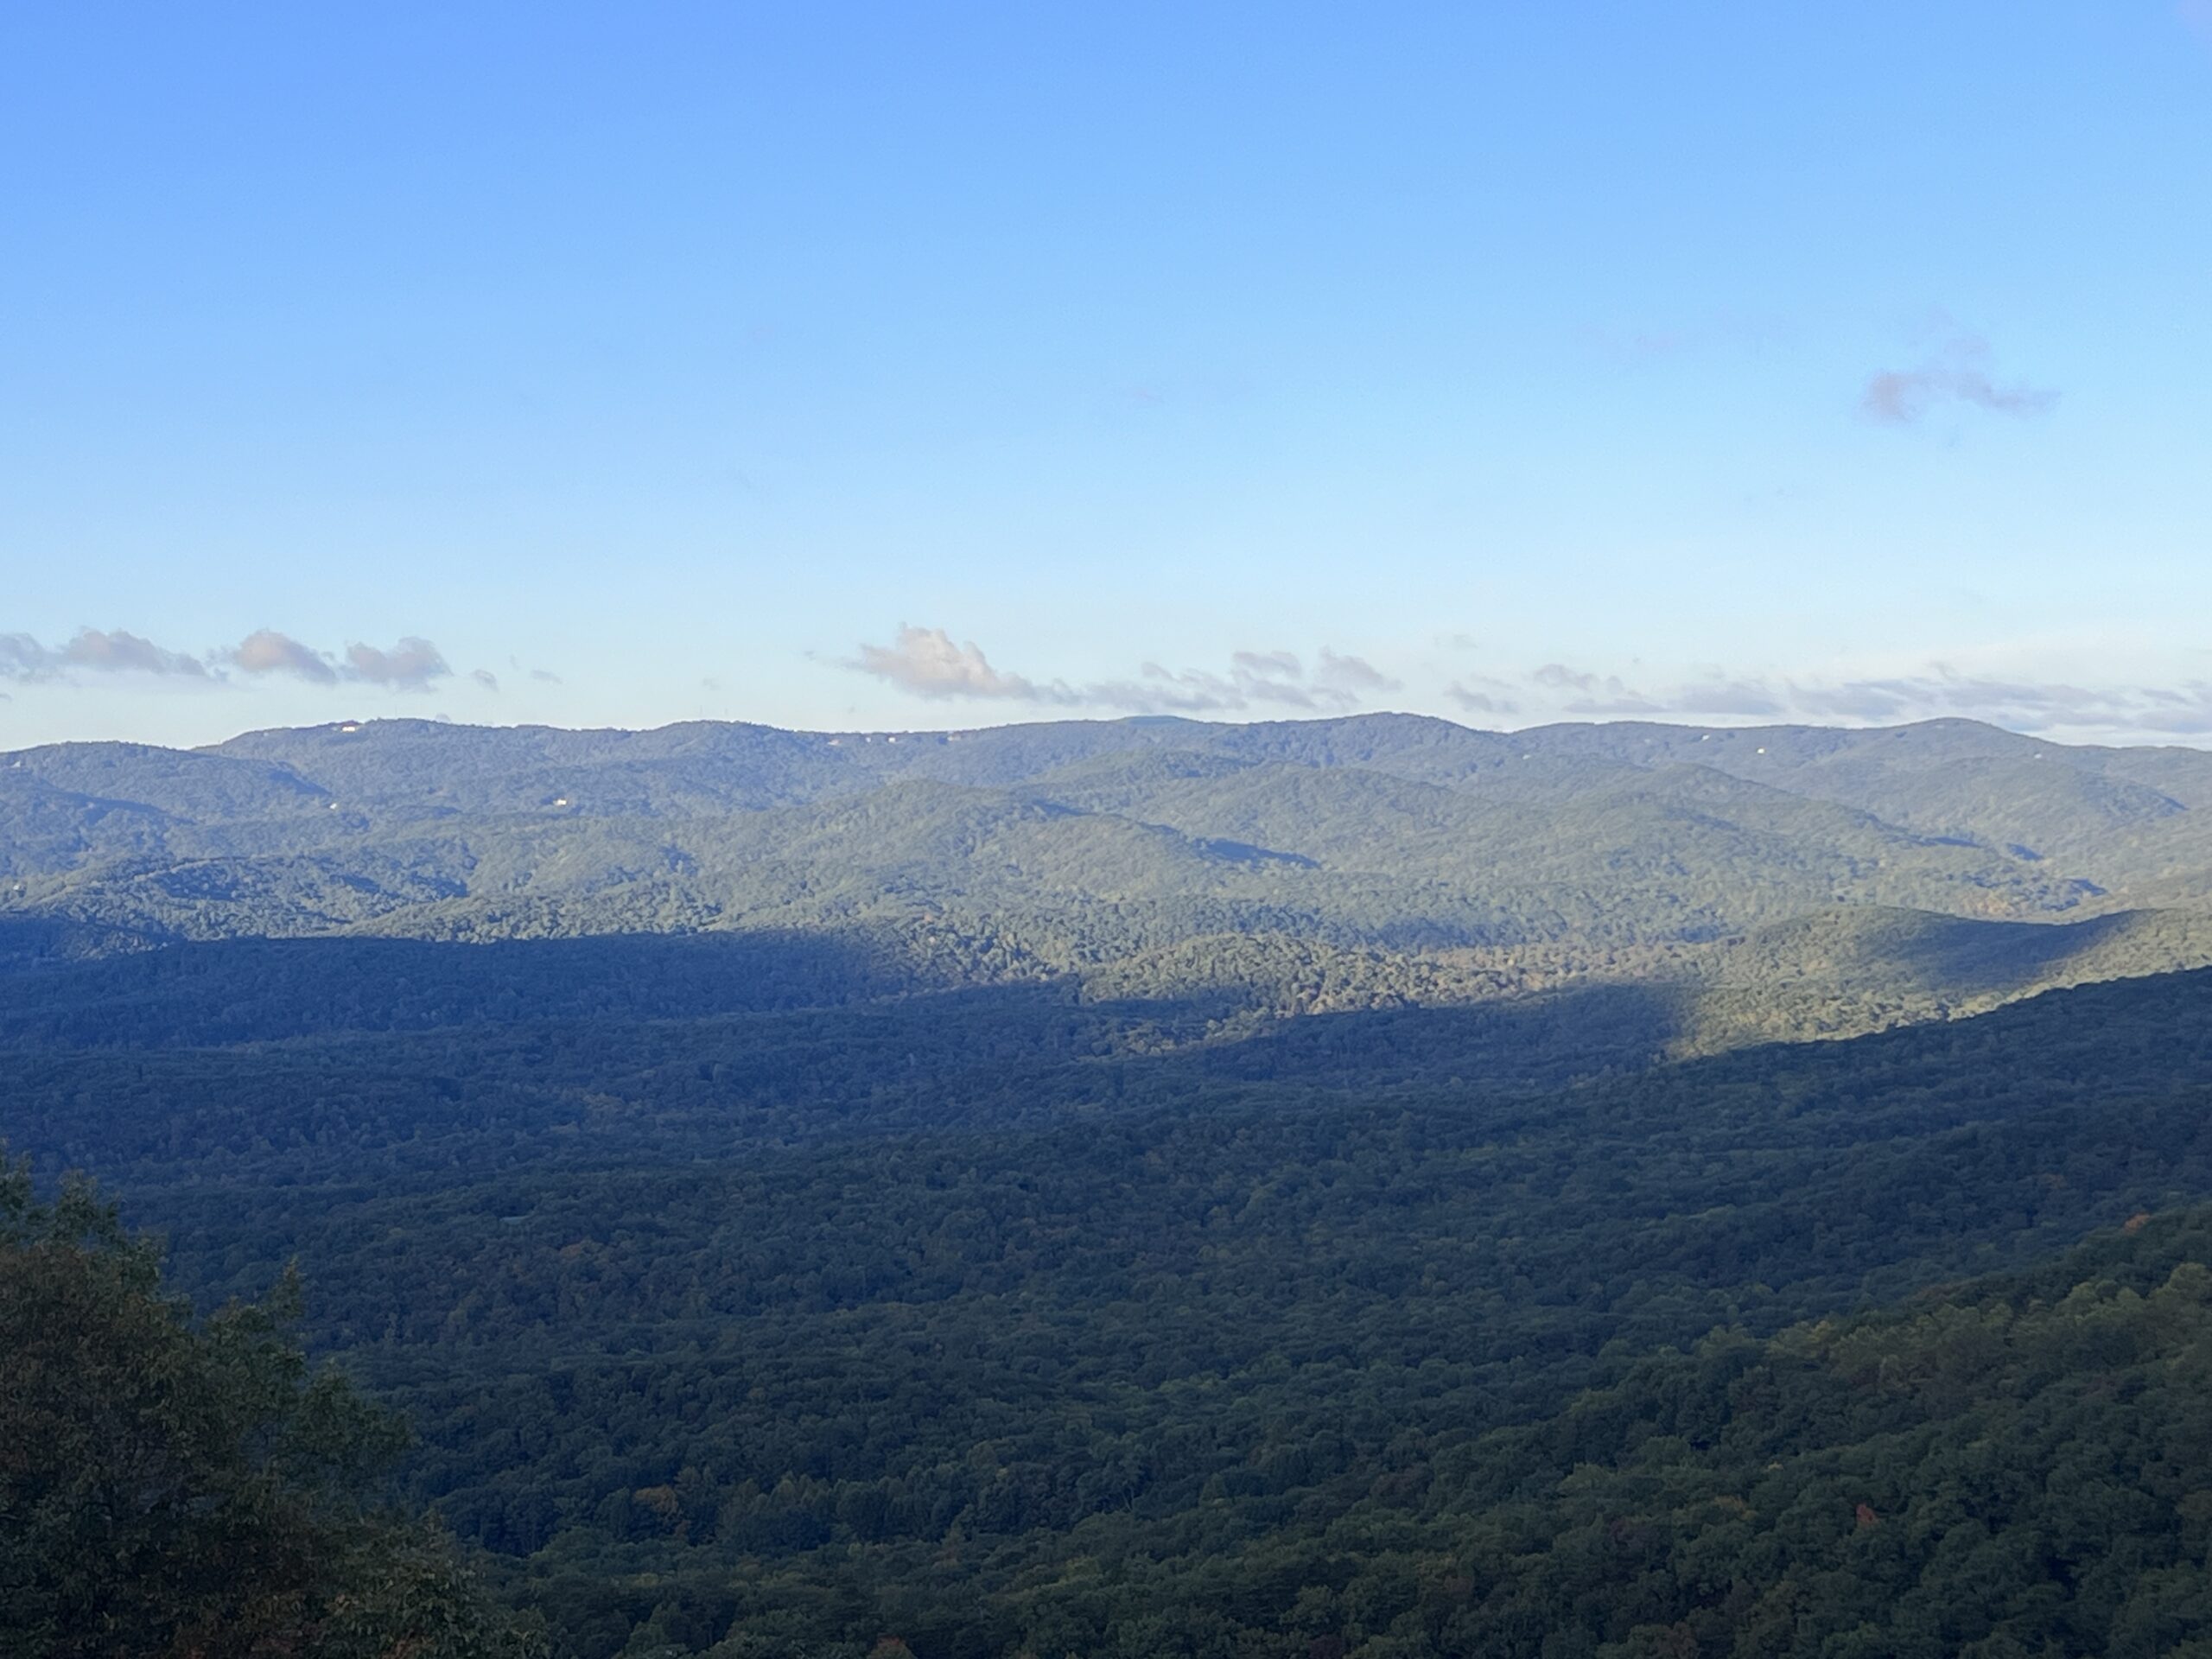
{"x": 1887, "y": 874}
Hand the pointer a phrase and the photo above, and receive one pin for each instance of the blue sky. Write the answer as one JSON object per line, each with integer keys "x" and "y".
{"x": 943, "y": 364}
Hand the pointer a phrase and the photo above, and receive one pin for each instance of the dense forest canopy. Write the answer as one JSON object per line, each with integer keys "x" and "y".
{"x": 1052, "y": 845}
{"x": 825, "y": 1325}
{"x": 175, "y": 1487}
{"x": 1341, "y": 1190}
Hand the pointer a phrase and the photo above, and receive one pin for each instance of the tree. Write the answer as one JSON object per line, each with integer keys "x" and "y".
{"x": 175, "y": 1486}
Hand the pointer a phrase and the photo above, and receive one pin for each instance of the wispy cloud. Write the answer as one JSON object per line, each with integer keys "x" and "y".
{"x": 21, "y": 658}
{"x": 2031, "y": 705}
{"x": 1277, "y": 678}
{"x": 1937, "y": 692}
{"x": 1638, "y": 345}
{"x": 1159, "y": 690}
{"x": 96, "y": 651}
{"x": 122, "y": 651}
{"x": 1958, "y": 367}
{"x": 1593, "y": 694}
{"x": 267, "y": 651}
{"x": 412, "y": 665}
{"x": 409, "y": 666}
{"x": 927, "y": 662}
{"x": 1353, "y": 674}
{"x": 1338, "y": 683}
{"x": 1478, "y": 694}
{"x": 484, "y": 678}
{"x": 930, "y": 663}
{"x": 1338, "y": 680}
{"x": 1751, "y": 699}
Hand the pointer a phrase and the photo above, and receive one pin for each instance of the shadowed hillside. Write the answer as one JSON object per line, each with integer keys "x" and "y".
{"x": 811, "y": 1325}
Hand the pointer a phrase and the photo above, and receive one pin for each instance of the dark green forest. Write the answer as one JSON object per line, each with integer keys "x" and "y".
{"x": 179, "y": 1486}
{"x": 1335, "y": 1191}
{"x": 967, "y": 1321}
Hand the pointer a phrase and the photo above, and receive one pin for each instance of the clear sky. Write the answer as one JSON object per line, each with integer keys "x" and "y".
{"x": 936, "y": 364}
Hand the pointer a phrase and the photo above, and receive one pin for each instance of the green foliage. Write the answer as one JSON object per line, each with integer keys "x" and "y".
{"x": 943, "y": 1318}
{"x": 1069, "y": 844}
{"x": 2022, "y": 1466}
{"x": 1139, "y": 1188}
{"x": 181, "y": 1487}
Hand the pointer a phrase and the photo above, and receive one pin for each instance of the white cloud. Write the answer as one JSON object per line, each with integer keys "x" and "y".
{"x": 409, "y": 666}
{"x": 1593, "y": 694}
{"x": 1956, "y": 369}
{"x": 1938, "y": 692}
{"x": 96, "y": 651}
{"x": 1725, "y": 696}
{"x": 1355, "y": 675}
{"x": 122, "y": 651}
{"x": 928, "y": 663}
{"x": 267, "y": 651}
{"x": 22, "y": 657}
{"x": 1476, "y": 701}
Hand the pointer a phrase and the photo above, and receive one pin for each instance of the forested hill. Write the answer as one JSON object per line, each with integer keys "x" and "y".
{"x": 979, "y": 1321}
{"x": 1782, "y": 882}
{"x": 1074, "y": 839}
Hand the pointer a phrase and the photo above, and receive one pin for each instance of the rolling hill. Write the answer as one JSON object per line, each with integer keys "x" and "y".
{"x": 1415, "y": 858}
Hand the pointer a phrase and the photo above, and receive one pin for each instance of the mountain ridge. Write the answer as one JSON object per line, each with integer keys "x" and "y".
{"x": 1137, "y": 852}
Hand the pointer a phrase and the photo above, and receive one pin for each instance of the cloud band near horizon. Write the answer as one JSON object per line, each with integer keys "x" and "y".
{"x": 927, "y": 662}
{"x": 412, "y": 664}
